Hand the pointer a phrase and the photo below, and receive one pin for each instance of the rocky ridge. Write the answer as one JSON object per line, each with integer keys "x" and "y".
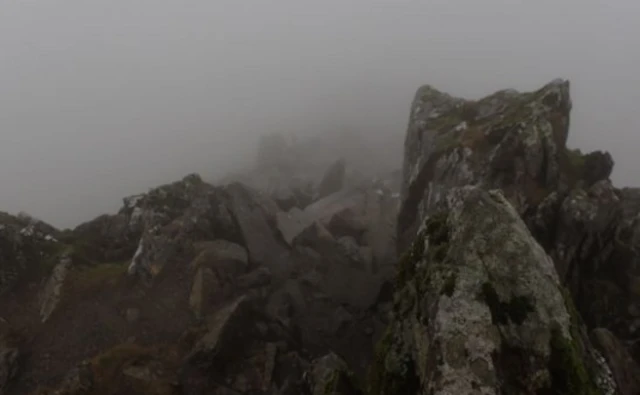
{"x": 497, "y": 261}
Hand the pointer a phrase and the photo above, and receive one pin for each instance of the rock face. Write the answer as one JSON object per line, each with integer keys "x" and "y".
{"x": 516, "y": 142}
{"x": 626, "y": 372}
{"x": 479, "y": 309}
{"x": 27, "y": 245}
{"x": 508, "y": 140}
{"x": 591, "y": 235}
{"x": 518, "y": 271}
{"x": 130, "y": 302}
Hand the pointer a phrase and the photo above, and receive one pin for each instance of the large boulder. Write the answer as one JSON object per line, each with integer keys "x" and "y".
{"x": 366, "y": 214}
{"x": 217, "y": 267}
{"x": 508, "y": 140}
{"x": 479, "y": 309}
{"x": 516, "y": 142}
{"x": 330, "y": 375}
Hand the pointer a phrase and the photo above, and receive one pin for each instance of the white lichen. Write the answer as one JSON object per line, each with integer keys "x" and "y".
{"x": 135, "y": 261}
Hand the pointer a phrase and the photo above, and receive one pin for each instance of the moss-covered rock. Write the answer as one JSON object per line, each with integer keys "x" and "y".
{"x": 482, "y": 311}
{"x": 331, "y": 376}
{"x": 509, "y": 140}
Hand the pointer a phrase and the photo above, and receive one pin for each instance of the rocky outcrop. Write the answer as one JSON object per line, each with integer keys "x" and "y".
{"x": 508, "y": 140}
{"x": 479, "y": 309}
{"x": 590, "y": 233}
{"x": 53, "y": 289}
{"x": 516, "y": 142}
{"x": 124, "y": 303}
{"x": 217, "y": 267}
{"x": 515, "y": 249}
{"x": 625, "y": 371}
{"x": 27, "y": 248}
{"x": 331, "y": 375}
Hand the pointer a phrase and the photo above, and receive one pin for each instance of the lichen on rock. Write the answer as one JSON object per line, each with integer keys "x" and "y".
{"x": 486, "y": 312}
{"x": 508, "y": 140}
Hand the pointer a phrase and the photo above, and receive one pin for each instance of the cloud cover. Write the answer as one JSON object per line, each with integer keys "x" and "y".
{"x": 101, "y": 100}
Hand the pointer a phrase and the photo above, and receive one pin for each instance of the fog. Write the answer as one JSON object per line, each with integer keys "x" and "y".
{"x": 99, "y": 100}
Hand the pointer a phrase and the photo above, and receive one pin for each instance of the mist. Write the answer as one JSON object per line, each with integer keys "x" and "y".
{"x": 100, "y": 100}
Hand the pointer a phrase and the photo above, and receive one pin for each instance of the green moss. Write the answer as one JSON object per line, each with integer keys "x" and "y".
{"x": 437, "y": 232}
{"x": 95, "y": 276}
{"x": 569, "y": 375}
{"x": 391, "y": 373}
{"x": 340, "y": 382}
{"x": 515, "y": 310}
{"x": 377, "y": 370}
{"x": 407, "y": 263}
{"x": 107, "y": 365}
{"x": 332, "y": 383}
{"x": 576, "y": 158}
{"x": 449, "y": 285}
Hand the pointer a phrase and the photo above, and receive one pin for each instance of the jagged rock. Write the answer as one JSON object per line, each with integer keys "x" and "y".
{"x": 333, "y": 179}
{"x": 255, "y": 215}
{"x": 9, "y": 361}
{"x": 331, "y": 376}
{"x": 590, "y": 234}
{"x": 597, "y": 166}
{"x": 314, "y": 235}
{"x": 27, "y": 245}
{"x": 217, "y": 267}
{"x": 177, "y": 216}
{"x": 479, "y": 309}
{"x": 347, "y": 223}
{"x": 53, "y": 289}
{"x": 625, "y": 370}
{"x": 236, "y": 354}
{"x": 271, "y": 289}
{"x": 508, "y": 140}
{"x": 222, "y": 328}
{"x": 291, "y": 224}
{"x": 288, "y": 197}
{"x": 360, "y": 212}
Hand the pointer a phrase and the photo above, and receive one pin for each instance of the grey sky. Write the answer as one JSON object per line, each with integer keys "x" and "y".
{"x": 103, "y": 99}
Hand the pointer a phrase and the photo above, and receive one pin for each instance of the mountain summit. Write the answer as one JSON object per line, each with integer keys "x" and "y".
{"x": 496, "y": 261}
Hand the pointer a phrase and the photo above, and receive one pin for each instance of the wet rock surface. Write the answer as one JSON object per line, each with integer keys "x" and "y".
{"x": 489, "y": 317}
{"x": 496, "y": 261}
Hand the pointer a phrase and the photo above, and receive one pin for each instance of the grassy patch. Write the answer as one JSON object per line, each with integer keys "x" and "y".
{"x": 107, "y": 366}
{"x": 390, "y": 372}
{"x": 576, "y": 159}
{"x": 569, "y": 375}
{"x": 87, "y": 278}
